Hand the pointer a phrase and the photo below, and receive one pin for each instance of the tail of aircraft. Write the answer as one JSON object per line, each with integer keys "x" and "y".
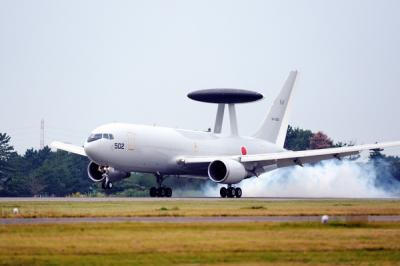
{"x": 275, "y": 125}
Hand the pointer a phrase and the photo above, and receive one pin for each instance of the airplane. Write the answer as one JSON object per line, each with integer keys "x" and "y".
{"x": 117, "y": 149}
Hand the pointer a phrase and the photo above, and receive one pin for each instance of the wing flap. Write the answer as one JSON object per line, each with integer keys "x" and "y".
{"x": 68, "y": 147}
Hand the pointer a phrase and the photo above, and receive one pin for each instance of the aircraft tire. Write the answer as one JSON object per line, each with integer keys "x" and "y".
{"x": 109, "y": 185}
{"x": 103, "y": 185}
{"x": 153, "y": 192}
{"x": 160, "y": 192}
{"x": 238, "y": 192}
{"x": 223, "y": 192}
{"x": 168, "y": 192}
{"x": 231, "y": 192}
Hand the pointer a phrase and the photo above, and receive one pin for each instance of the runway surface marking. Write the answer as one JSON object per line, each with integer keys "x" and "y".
{"x": 225, "y": 219}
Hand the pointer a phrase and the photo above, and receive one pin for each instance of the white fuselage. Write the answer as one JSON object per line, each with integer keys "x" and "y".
{"x": 152, "y": 149}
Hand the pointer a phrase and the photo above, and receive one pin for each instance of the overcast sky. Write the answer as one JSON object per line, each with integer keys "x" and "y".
{"x": 80, "y": 64}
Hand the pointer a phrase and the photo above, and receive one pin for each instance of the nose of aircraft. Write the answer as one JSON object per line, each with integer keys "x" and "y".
{"x": 97, "y": 146}
{"x": 89, "y": 150}
{"x": 96, "y": 151}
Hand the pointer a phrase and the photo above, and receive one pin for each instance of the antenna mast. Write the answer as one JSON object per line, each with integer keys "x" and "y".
{"x": 42, "y": 134}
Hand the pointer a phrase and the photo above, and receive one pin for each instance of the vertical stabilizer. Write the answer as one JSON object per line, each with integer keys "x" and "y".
{"x": 275, "y": 125}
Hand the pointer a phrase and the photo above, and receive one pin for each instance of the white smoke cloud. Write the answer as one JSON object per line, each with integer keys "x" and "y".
{"x": 333, "y": 178}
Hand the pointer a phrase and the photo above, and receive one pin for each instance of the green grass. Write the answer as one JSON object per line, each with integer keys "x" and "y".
{"x": 357, "y": 242}
{"x": 201, "y": 244}
{"x": 217, "y": 207}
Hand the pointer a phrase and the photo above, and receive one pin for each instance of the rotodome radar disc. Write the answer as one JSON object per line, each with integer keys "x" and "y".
{"x": 226, "y": 96}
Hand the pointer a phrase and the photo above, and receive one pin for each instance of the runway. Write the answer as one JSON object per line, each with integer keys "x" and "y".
{"x": 224, "y": 219}
{"x": 134, "y": 199}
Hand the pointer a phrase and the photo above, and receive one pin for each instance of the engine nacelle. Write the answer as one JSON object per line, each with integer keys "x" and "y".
{"x": 98, "y": 173}
{"x": 226, "y": 171}
{"x": 95, "y": 172}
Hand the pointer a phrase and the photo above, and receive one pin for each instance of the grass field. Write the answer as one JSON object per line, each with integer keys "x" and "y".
{"x": 217, "y": 207}
{"x": 201, "y": 244}
{"x": 257, "y": 243}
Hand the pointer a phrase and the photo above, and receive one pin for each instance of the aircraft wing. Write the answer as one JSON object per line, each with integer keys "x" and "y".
{"x": 312, "y": 156}
{"x": 288, "y": 158}
{"x": 68, "y": 147}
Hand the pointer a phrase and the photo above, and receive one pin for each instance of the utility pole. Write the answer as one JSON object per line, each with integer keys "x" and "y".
{"x": 42, "y": 134}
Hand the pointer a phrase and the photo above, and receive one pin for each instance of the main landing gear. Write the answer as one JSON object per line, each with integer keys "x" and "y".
{"x": 230, "y": 192}
{"x": 160, "y": 191}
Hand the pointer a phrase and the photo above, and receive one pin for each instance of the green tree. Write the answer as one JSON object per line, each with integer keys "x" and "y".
{"x": 297, "y": 139}
{"x": 64, "y": 173}
{"x": 49, "y": 173}
{"x": 6, "y": 152}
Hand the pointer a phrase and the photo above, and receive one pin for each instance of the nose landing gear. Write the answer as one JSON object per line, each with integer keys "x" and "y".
{"x": 106, "y": 184}
{"x": 230, "y": 192}
{"x": 160, "y": 191}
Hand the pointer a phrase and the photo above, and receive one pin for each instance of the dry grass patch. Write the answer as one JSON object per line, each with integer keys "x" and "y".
{"x": 166, "y": 244}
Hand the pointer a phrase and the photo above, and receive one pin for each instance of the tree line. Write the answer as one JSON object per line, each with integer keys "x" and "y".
{"x": 47, "y": 173}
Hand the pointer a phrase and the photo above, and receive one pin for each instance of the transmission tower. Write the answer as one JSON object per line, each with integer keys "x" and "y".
{"x": 42, "y": 134}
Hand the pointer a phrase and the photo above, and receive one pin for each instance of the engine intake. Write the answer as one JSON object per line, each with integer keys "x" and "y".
{"x": 98, "y": 173}
{"x": 226, "y": 171}
{"x": 95, "y": 172}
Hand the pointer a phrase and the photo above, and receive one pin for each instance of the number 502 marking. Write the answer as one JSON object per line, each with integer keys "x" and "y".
{"x": 119, "y": 146}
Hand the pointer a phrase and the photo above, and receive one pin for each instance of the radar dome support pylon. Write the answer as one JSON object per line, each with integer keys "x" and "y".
{"x": 223, "y": 97}
{"x": 219, "y": 118}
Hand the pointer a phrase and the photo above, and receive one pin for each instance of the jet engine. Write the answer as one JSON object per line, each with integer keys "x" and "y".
{"x": 226, "y": 171}
{"x": 98, "y": 173}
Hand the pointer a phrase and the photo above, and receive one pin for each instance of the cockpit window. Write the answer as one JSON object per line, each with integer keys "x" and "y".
{"x": 98, "y": 136}
{"x": 94, "y": 137}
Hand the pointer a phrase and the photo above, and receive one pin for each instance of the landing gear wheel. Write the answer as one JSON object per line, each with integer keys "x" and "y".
{"x": 106, "y": 185}
{"x": 238, "y": 192}
{"x": 223, "y": 192}
{"x": 231, "y": 192}
{"x": 168, "y": 192}
{"x": 153, "y": 192}
{"x": 160, "y": 192}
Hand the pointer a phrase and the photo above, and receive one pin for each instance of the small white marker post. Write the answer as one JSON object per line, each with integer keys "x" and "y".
{"x": 324, "y": 219}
